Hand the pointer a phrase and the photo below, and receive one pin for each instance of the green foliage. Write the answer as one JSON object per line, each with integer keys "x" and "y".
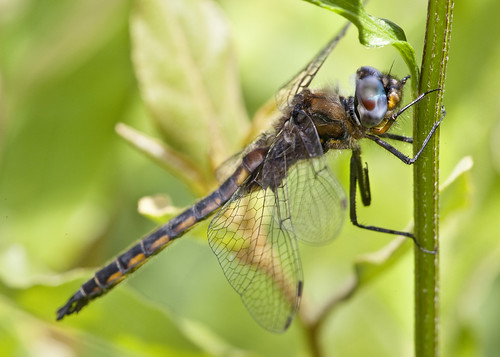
{"x": 69, "y": 186}
{"x": 185, "y": 66}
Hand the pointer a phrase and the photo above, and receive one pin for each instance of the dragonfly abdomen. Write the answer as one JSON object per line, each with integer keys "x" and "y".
{"x": 113, "y": 273}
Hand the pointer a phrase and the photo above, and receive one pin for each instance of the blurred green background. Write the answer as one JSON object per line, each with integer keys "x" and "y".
{"x": 69, "y": 185}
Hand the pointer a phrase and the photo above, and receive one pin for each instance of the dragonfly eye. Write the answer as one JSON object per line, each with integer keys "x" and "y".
{"x": 370, "y": 101}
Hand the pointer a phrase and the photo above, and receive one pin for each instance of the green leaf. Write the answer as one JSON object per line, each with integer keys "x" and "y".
{"x": 56, "y": 118}
{"x": 211, "y": 343}
{"x": 165, "y": 156}
{"x": 374, "y": 31}
{"x": 456, "y": 190}
{"x": 372, "y": 265}
{"x": 184, "y": 61}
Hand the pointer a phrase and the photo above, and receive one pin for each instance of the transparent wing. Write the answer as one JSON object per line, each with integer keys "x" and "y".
{"x": 258, "y": 254}
{"x": 254, "y": 235}
{"x": 317, "y": 201}
{"x": 285, "y": 95}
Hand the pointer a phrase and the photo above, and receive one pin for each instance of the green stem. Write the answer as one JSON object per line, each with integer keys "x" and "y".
{"x": 426, "y": 178}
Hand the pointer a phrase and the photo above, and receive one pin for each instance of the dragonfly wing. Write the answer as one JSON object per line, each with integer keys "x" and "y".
{"x": 284, "y": 97}
{"x": 259, "y": 256}
{"x": 317, "y": 201}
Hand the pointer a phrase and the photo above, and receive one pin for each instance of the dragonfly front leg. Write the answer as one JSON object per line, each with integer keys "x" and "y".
{"x": 406, "y": 159}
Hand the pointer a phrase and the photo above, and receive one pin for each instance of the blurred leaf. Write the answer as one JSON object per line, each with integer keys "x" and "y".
{"x": 65, "y": 84}
{"x": 467, "y": 345}
{"x": 456, "y": 189}
{"x": 374, "y": 31}
{"x": 371, "y": 265}
{"x": 158, "y": 208}
{"x": 185, "y": 64}
{"x": 211, "y": 342}
{"x": 144, "y": 330}
{"x": 165, "y": 156}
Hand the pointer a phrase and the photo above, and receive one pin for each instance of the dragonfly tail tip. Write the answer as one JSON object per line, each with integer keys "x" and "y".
{"x": 74, "y": 304}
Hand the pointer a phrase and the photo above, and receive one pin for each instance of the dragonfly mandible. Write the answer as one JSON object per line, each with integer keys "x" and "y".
{"x": 281, "y": 192}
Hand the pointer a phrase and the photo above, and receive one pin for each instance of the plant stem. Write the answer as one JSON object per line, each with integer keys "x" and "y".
{"x": 426, "y": 178}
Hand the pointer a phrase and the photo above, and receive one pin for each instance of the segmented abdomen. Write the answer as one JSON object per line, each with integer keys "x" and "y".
{"x": 113, "y": 273}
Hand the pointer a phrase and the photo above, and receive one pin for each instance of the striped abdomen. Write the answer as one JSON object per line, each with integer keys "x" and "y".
{"x": 109, "y": 276}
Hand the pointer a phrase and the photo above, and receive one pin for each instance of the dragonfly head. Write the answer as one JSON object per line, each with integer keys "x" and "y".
{"x": 376, "y": 97}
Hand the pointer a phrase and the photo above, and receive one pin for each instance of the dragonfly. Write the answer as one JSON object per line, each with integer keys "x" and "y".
{"x": 282, "y": 191}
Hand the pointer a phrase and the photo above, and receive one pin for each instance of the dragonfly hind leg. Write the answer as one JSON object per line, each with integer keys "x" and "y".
{"x": 359, "y": 176}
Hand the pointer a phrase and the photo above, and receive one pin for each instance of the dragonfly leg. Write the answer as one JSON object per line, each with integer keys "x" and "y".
{"x": 402, "y": 138}
{"x": 406, "y": 159}
{"x": 359, "y": 176}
